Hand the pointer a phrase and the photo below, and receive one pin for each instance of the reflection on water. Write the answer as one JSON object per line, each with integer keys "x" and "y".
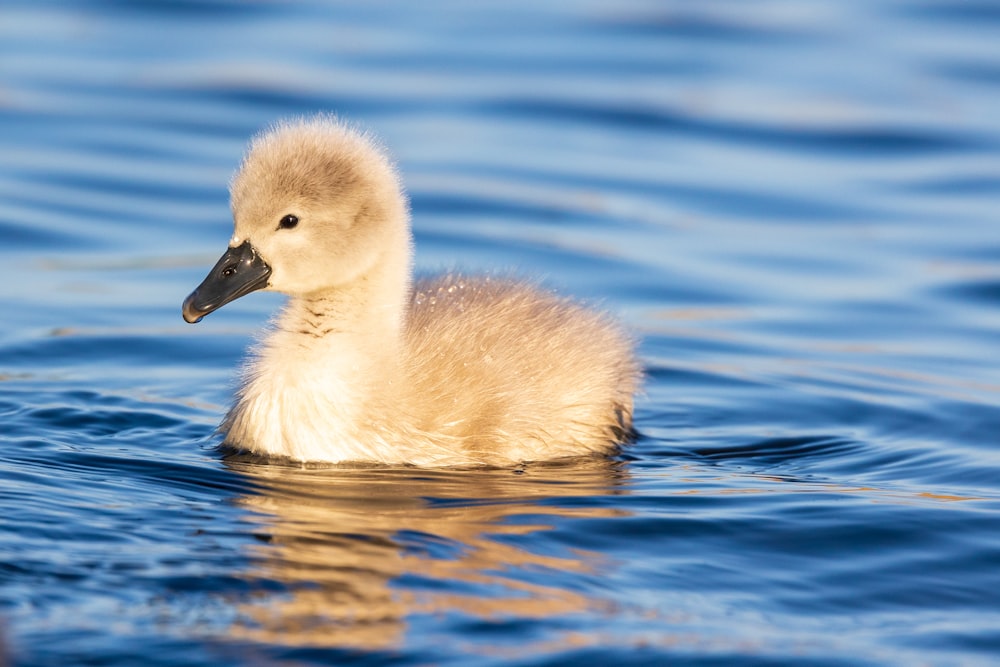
{"x": 359, "y": 558}
{"x": 336, "y": 541}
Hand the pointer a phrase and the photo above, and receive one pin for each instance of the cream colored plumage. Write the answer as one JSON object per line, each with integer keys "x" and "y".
{"x": 361, "y": 366}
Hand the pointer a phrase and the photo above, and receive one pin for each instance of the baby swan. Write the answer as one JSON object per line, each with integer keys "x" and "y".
{"x": 362, "y": 366}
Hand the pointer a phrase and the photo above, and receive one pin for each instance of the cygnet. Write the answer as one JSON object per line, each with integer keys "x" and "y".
{"x": 363, "y": 365}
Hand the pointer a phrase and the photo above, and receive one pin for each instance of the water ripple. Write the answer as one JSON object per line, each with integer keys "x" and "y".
{"x": 792, "y": 204}
{"x": 884, "y": 142}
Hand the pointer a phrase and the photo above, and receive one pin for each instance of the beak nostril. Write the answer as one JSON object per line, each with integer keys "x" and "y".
{"x": 240, "y": 271}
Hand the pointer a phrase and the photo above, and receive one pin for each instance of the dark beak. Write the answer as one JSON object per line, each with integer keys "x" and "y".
{"x": 240, "y": 271}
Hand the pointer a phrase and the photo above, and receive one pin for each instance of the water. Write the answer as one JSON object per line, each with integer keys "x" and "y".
{"x": 793, "y": 203}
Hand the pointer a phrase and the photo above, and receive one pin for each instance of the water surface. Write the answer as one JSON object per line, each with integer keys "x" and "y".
{"x": 794, "y": 204}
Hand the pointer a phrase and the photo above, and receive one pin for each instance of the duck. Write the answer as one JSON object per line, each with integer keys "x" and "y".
{"x": 365, "y": 364}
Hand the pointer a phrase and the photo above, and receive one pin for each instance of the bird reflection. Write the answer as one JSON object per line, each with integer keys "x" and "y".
{"x": 346, "y": 556}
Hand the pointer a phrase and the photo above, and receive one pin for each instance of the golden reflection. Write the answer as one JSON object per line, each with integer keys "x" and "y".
{"x": 334, "y": 541}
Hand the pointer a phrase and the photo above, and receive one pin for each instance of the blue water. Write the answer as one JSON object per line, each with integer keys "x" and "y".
{"x": 794, "y": 204}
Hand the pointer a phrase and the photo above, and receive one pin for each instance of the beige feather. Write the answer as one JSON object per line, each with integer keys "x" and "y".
{"x": 363, "y": 366}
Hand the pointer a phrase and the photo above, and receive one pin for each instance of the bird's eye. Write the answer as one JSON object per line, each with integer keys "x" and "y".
{"x": 288, "y": 222}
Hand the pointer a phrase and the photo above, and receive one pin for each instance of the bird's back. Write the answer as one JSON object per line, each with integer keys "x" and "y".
{"x": 510, "y": 372}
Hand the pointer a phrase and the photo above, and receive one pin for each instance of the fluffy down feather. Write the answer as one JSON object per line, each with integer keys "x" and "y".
{"x": 362, "y": 366}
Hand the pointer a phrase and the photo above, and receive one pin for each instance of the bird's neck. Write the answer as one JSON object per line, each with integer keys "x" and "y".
{"x": 359, "y": 323}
